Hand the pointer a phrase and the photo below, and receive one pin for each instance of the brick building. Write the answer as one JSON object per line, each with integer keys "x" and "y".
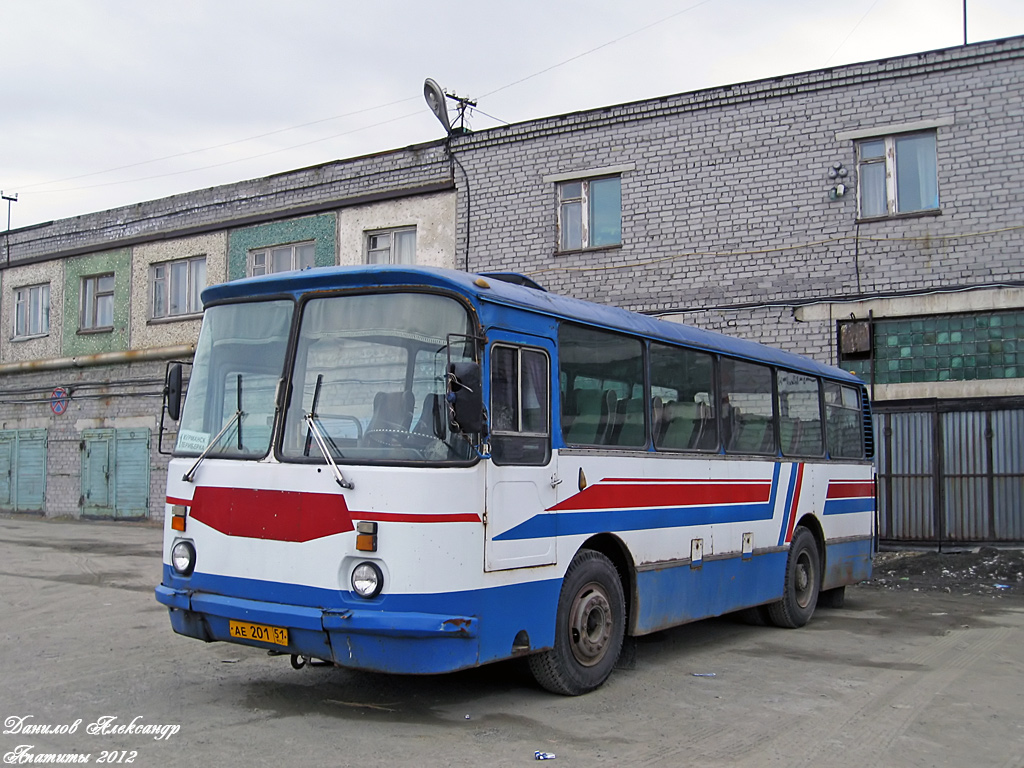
{"x": 868, "y": 215}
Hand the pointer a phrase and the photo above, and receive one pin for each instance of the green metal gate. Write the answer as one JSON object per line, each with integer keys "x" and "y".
{"x": 22, "y": 470}
{"x": 115, "y": 473}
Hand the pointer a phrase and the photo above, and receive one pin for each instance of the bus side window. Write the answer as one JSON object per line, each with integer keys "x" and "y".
{"x": 607, "y": 375}
{"x": 799, "y": 414}
{"x": 843, "y": 428}
{"x": 748, "y": 413}
{"x": 519, "y": 406}
{"x": 682, "y": 381}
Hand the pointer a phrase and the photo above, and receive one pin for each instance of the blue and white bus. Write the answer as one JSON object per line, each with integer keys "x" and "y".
{"x": 417, "y": 471}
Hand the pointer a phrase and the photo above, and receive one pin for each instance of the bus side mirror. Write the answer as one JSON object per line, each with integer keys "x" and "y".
{"x": 465, "y": 397}
{"x": 172, "y": 391}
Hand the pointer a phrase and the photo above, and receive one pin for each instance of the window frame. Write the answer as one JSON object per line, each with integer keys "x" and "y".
{"x": 705, "y": 435}
{"x": 798, "y": 445}
{"x": 89, "y": 303}
{"x": 587, "y": 217}
{"x": 23, "y": 308}
{"x": 519, "y": 435}
{"x": 265, "y": 255}
{"x": 739, "y": 422}
{"x": 889, "y": 161}
{"x": 392, "y": 251}
{"x": 834, "y": 442}
{"x": 597, "y": 417}
{"x": 193, "y": 301}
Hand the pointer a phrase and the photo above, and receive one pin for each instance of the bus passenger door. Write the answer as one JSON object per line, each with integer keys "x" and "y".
{"x": 521, "y": 476}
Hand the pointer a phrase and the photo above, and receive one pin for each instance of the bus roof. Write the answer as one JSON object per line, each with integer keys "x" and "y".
{"x": 490, "y": 290}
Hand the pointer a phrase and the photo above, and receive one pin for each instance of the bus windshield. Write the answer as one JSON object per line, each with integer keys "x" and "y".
{"x": 370, "y": 378}
{"x": 238, "y": 362}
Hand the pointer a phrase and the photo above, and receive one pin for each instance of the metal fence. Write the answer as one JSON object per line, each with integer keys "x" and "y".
{"x": 950, "y": 472}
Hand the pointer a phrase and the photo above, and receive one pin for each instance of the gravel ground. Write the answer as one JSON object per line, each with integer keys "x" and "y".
{"x": 986, "y": 571}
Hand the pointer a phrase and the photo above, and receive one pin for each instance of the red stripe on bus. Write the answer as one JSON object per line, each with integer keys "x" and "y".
{"x": 796, "y": 502}
{"x": 275, "y": 515}
{"x": 403, "y": 517}
{"x": 839, "y": 489}
{"x": 637, "y": 495}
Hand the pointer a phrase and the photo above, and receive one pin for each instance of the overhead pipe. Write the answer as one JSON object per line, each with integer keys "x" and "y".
{"x": 101, "y": 358}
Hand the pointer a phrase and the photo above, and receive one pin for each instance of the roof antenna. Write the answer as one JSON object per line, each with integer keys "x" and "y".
{"x": 435, "y": 97}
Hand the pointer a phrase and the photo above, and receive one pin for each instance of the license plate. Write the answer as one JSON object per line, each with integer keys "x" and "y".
{"x": 246, "y": 630}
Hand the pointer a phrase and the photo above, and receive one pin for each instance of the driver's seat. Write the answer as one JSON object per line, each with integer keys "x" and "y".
{"x": 392, "y": 411}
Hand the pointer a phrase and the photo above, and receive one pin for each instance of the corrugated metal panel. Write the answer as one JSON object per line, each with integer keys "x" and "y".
{"x": 30, "y": 487}
{"x": 966, "y": 501}
{"x": 131, "y": 473}
{"x": 1008, "y": 474}
{"x": 907, "y": 477}
{"x": 973, "y": 460}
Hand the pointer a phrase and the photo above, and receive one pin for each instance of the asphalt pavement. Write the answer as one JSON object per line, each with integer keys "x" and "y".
{"x": 91, "y": 669}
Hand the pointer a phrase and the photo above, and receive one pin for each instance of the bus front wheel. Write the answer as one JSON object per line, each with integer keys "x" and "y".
{"x": 589, "y": 630}
{"x": 803, "y": 579}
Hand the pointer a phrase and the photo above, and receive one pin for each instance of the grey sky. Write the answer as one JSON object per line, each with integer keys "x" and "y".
{"x": 191, "y": 94}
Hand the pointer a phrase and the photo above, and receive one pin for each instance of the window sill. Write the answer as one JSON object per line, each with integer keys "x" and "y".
{"x": 174, "y": 318}
{"x": 91, "y": 331}
{"x": 897, "y": 216}
{"x": 19, "y": 339}
{"x": 594, "y": 249}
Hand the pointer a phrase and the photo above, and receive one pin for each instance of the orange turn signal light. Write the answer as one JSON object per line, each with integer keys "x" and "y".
{"x": 178, "y": 512}
{"x": 366, "y": 536}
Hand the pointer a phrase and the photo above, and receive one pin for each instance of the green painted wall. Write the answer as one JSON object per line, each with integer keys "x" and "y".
{"x": 75, "y": 343}
{"x": 322, "y": 229}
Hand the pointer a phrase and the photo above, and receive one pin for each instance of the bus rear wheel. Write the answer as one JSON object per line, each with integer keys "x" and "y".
{"x": 590, "y": 626}
{"x": 803, "y": 579}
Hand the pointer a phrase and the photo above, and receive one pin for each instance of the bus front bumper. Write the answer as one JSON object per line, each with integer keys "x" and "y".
{"x": 383, "y": 641}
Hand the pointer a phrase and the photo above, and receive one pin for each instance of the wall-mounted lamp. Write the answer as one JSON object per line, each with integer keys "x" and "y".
{"x": 837, "y": 171}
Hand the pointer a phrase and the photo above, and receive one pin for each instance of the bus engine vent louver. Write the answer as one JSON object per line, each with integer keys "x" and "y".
{"x": 869, "y": 430}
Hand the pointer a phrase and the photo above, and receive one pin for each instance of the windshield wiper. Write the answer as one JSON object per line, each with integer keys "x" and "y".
{"x": 237, "y": 418}
{"x": 321, "y": 443}
{"x": 187, "y": 477}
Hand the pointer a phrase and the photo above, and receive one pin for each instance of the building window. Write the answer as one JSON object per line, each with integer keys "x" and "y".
{"x": 176, "y": 285}
{"x": 393, "y": 246}
{"x": 97, "y": 302}
{"x": 32, "y": 311}
{"x": 282, "y": 258}
{"x": 897, "y": 174}
{"x": 589, "y": 213}
{"x": 963, "y": 347}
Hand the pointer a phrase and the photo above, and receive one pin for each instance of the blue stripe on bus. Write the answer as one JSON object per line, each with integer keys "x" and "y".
{"x": 548, "y": 524}
{"x": 670, "y": 596}
{"x": 849, "y": 506}
{"x": 788, "y": 510}
{"x": 384, "y": 634}
{"x": 391, "y": 633}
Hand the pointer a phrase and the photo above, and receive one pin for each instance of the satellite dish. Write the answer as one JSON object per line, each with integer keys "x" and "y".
{"x": 436, "y": 101}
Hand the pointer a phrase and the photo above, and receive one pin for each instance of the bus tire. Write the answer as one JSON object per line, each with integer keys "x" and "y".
{"x": 803, "y": 578}
{"x": 589, "y": 628}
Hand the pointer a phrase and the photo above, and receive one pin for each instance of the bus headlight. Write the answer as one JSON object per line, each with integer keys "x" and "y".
{"x": 183, "y": 558}
{"x": 367, "y": 580}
